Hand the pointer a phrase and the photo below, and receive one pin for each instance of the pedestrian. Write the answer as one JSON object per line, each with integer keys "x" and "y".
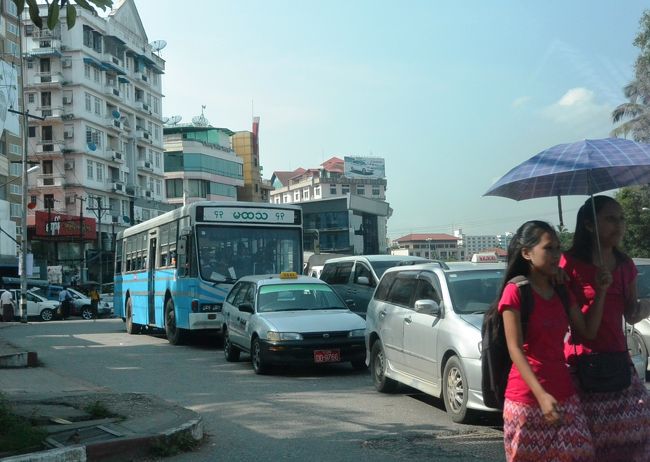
{"x": 7, "y": 302}
{"x": 65, "y": 299}
{"x": 619, "y": 420}
{"x": 94, "y": 301}
{"x": 542, "y": 417}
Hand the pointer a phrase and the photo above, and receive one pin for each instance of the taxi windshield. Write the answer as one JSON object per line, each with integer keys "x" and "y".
{"x": 296, "y": 297}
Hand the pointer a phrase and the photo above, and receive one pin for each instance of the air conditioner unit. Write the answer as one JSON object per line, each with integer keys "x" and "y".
{"x": 116, "y": 92}
{"x": 68, "y": 134}
{"x": 144, "y": 77}
{"x": 69, "y": 165}
{"x": 147, "y": 164}
{"x": 117, "y": 156}
{"x": 118, "y": 187}
{"x": 145, "y": 107}
{"x": 66, "y": 62}
{"x": 117, "y": 124}
{"x": 146, "y": 135}
{"x": 67, "y": 116}
{"x": 70, "y": 200}
{"x": 67, "y": 100}
{"x": 148, "y": 194}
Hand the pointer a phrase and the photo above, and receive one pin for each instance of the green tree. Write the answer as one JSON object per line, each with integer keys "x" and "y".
{"x": 636, "y": 208}
{"x": 566, "y": 238}
{"x": 54, "y": 8}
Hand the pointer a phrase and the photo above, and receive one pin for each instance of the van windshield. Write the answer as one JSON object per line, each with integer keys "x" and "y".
{"x": 472, "y": 292}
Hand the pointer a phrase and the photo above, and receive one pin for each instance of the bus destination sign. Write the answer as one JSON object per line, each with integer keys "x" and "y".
{"x": 248, "y": 215}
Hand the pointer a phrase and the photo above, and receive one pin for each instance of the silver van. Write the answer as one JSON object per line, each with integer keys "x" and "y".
{"x": 423, "y": 329}
{"x": 354, "y": 278}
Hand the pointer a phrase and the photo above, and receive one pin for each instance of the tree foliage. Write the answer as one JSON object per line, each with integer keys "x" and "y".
{"x": 636, "y": 208}
{"x": 54, "y": 8}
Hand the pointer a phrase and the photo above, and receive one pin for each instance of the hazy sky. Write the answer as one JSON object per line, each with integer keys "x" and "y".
{"x": 452, "y": 94}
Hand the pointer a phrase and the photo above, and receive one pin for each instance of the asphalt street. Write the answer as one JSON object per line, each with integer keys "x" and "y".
{"x": 330, "y": 412}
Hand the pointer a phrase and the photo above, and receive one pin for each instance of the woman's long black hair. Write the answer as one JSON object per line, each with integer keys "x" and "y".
{"x": 584, "y": 238}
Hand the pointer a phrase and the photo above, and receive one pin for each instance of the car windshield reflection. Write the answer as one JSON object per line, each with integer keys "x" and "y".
{"x": 299, "y": 297}
{"x": 472, "y": 292}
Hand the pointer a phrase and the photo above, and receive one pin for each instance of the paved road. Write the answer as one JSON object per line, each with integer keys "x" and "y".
{"x": 314, "y": 414}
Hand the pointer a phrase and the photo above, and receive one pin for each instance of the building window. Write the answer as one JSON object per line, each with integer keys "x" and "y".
{"x": 48, "y": 201}
{"x": 296, "y": 196}
{"x": 375, "y": 191}
{"x": 87, "y": 71}
{"x": 90, "y": 169}
{"x": 332, "y": 189}
{"x": 158, "y": 187}
{"x": 286, "y": 198}
{"x": 305, "y": 194}
{"x": 16, "y": 209}
{"x": 100, "y": 172}
{"x": 157, "y": 158}
{"x": 31, "y": 132}
{"x": 29, "y": 30}
{"x": 361, "y": 190}
{"x": 345, "y": 189}
{"x": 88, "y": 102}
{"x": 16, "y": 189}
{"x": 174, "y": 188}
{"x": 94, "y": 136}
{"x": 317, "y": 191}
{"x": 30, "y": 97}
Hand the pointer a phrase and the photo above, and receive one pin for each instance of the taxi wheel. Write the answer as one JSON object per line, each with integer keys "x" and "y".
{"x": 230, "y": 351}
{"x": 378, "y": 364}
{"x": 256, "y": 357}
{"x": 455, "y": 391}
{"x": 175, "y": 335}
{"x": 47, "y": 314}
{"x": 131, "y": 327}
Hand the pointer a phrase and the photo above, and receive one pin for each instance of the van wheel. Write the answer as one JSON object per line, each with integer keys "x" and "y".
{"x": 175, "y": 335}
{"x": 378, "y": 365}
{"x": 230, "y": 351}
{"x": 131, "y": 327}
{"x": 455, "y": 391}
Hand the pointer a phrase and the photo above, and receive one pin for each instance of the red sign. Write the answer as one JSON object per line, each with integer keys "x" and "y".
{"x": 52, "y": 224}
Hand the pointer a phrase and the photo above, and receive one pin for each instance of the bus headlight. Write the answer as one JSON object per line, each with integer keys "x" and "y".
{"x": 282, "y": 336}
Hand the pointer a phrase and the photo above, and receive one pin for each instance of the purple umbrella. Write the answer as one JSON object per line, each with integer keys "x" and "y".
{"x": 583, "y": 168}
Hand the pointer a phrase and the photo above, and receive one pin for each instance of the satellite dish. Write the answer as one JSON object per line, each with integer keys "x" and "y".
{"x": 116, "y": 114}
{"x": 92, "y": 147}
{"x": 158, "y": 45}
{"x": 200, "y": 121}
{"x": 171, "y": 121}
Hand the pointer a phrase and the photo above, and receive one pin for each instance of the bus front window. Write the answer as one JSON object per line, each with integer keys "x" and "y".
{"x": 228, "y": 253}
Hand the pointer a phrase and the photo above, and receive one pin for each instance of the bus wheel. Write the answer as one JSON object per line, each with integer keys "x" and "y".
{"x": 175, "y": 335}
{"x": 131, "y": 327}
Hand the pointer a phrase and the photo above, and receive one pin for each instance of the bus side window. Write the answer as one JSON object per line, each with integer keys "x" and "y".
{"x": 181, "y": 257}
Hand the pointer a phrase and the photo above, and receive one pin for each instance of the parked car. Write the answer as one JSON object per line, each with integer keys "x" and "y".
{"x": 38, "y": 307}
{"x": 423, "y": 330}
{"x": 290, "y": 319}
{"x": 354, "y": 278}
{"x": 81, "y": 305}
{"x": 105, "y": 306}
{"x": 639, "y": 334}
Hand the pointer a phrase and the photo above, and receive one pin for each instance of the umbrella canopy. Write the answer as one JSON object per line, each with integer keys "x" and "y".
{"x": 582, "y": 168}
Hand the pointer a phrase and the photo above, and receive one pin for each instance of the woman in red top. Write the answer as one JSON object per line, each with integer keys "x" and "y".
{"x": 619, "y": 421}
{"x": 542, "y": 418}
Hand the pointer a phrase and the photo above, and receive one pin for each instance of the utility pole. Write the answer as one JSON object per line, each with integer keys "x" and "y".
{"x": 82, "y": 258}
{"x": 99, "y": 210}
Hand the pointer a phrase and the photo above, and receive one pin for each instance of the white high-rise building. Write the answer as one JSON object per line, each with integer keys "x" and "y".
{"x": 98, "y": 88}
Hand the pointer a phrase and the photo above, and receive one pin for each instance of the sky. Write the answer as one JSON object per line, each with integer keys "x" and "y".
{"x": 452, "y": 94}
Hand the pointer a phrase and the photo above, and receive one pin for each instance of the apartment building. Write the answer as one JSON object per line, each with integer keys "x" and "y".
{"x": 246, "y": 145}
{"x": 11, "y": 146}
{"x": 344, "y": 200}
{"x": 200, "y": 163}
{"x": 97, "y": 88}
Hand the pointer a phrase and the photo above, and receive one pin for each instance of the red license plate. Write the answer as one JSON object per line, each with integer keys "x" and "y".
{"x": 327, "y": 356}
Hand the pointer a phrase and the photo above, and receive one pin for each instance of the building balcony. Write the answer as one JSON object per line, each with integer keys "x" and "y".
{"x": 45, "y": 80}
{"x": 51, "y": 113}
{"x": 47, "y": 149}
{"x": 44, "y": 46}
{"x": 50, "y": 180}
{"x": 115, "y": 124}
{"x": 113, "y": 63}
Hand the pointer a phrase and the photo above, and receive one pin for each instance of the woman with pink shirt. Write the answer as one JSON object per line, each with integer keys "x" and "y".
{"x": 618, "y": 420}
{"x": 542, "y": 416}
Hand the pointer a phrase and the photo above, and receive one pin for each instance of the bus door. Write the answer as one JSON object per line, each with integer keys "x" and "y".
{"x": 151, "y": 286}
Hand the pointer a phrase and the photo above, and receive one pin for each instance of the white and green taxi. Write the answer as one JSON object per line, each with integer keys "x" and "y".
{"x": 290, "y": 319}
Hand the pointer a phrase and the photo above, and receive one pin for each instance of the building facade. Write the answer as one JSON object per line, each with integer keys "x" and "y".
{"x": 11, "y": 145}
{"x": 246, "y": 145}
{"x": 479, "y": 243}
{"x": 200, "y": 164}
{"x": 98, "y": 89}
{"x": 349, "y": 212}
{"x": 429, "y": 245}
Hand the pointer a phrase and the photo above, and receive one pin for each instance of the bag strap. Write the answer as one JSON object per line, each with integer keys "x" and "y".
{"x": 527, "y": 300}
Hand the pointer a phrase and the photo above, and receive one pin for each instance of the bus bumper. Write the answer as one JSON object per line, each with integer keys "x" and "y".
{"x": 205, "y": 321}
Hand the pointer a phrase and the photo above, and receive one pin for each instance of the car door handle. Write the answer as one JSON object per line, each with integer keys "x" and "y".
{"x": 408, "y": 320}
{"x": 382, "y": 314}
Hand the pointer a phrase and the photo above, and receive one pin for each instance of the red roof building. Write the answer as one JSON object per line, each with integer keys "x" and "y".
{"x": 435, "y": 246}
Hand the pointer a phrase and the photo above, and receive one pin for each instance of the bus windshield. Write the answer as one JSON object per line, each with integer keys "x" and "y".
{"x": 228, "y": 253}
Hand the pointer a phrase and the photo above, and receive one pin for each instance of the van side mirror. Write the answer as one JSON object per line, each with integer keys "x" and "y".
{"x": 426, "y": 306}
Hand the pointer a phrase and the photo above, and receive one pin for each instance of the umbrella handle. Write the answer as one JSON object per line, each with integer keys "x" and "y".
{"x": 593, "y": 210}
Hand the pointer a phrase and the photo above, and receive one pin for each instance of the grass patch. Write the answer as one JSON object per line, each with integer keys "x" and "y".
{"x": 17, "y": 434}
{"x": 98, "y": 410}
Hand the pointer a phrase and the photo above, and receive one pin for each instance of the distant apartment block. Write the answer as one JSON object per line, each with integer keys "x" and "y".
{"x": 480, "y": 243}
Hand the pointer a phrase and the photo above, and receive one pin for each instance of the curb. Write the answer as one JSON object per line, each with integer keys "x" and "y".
{"x": 117, "y": 450}
{"x": 19, "y": 359}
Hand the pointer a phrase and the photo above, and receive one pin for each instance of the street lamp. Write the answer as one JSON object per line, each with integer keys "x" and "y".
{"x": 23, "y": 240}
{"x": 429, "y": 244}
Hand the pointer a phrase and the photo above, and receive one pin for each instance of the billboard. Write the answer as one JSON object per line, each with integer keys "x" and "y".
{"x": 59, "y": 225}
{"x": 8, "y": 99}
{"x": 364, "y": 167}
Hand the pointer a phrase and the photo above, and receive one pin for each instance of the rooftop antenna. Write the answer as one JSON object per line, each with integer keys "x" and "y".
{"x": 171, "y": 120}
{"x": 201, "y": 121}
{"x": 158, "y": 45}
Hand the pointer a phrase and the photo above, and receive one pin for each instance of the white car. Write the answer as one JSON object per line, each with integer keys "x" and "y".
{"x": 424, "y": 330}
{"x": 290, "y": 319}
{"x": 639, "y": 335}
{"x": 38, "y": 307}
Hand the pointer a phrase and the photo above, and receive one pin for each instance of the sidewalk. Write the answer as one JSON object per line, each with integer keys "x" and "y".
{"x": 90, "y": 423}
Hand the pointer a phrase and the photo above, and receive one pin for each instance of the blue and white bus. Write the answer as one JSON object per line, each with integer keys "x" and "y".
{"x": 173, "y": 271}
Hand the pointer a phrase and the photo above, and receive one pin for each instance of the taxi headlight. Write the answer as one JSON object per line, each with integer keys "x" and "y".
{"x": 282, "y": 336}
{"x": 357, "y": 333}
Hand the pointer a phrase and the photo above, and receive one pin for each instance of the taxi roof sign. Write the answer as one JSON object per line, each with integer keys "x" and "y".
{"x": 288, "y": 275}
